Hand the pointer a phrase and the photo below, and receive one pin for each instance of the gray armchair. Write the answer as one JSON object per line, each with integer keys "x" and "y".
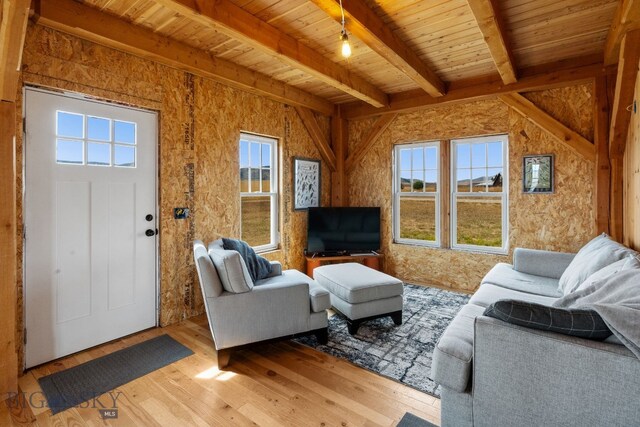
{"x": 284, "y": 305}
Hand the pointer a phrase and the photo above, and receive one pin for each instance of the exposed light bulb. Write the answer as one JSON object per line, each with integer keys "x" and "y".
{"x": 346, "y": 47}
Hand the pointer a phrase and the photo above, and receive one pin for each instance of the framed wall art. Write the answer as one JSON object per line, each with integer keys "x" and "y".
{"x": 306, "y": 183}
{"x": 537, "y": 174}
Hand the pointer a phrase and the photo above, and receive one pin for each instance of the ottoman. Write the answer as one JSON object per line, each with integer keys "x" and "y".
{"x": 361, "y": 293}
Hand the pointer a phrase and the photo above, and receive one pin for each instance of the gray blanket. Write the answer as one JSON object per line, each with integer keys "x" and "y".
{"x": 258, "y": 267}
{"x": 617, "y": 300}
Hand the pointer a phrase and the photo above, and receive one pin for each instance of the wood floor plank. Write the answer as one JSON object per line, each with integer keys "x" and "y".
{"x": 280, "y": 384}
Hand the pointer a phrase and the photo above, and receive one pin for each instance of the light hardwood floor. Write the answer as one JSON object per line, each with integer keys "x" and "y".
{"x": 282, "y": 384}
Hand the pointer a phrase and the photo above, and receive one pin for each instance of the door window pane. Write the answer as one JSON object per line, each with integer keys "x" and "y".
{"x": 418, "y": 218}
{"x": 256, "y": 220}
{"x": 124, "y": 156}
{"x": 98, "y": 154}
{"x": 124, "y": 132}
{"x": 479, "y": 221}
{"x": 98, "y": 129}
{"x": 70, "y": 125}
{"x": 69, "y": 152}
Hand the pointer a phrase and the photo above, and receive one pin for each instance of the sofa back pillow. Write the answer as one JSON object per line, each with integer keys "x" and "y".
{"x": 583, "y": 323}
{"x": 626, "y": 263}
{"x": 595, "y": 255}
{"x": 231, "y": 268}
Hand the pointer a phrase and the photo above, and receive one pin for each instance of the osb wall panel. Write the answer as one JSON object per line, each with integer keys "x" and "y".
{"x": 576, "y": 112}
{"x": 562, "y": 221}
{"x": 216, "y": 145}
{"x": 199, "y": 124}
{"x": 632, "y": 178}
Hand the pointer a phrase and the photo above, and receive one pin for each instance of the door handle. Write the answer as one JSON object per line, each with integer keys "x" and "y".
{"x": 150, "y": 232}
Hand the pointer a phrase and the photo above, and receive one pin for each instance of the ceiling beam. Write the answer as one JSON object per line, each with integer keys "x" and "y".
{"x": 365, "y": 25}
{"x": 463, "y": 92}
{"x": 492, "y": 27}
{"x": 91, "y": 24}
{"x": 627, "y": 18}
{"x": 241, "y": 25}
{"x": 13, "y": 27}
{"x": 318, "y": 138}
{"x": 624, "y": 92}
{"x": 553, "y": 127}
{"x": 369, "y": 140}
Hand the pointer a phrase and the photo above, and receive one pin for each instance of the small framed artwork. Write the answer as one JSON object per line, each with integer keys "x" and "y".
{"x": 306, "y": 183}
{"x": 537, "y": 174}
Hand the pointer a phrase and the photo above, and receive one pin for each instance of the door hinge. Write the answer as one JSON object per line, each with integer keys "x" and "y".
{"x": 24, "y": 232}
{"x": 24, "y": 124}
{"x": 25, "y": 336}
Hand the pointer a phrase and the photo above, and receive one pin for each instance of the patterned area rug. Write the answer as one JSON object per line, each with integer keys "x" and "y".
{"x": 402, "y": 353}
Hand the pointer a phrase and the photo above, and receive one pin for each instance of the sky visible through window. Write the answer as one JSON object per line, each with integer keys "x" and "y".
{"x": 255, "y": 160}
{"x": 478, "y": 167}
{"x": 107, "y": 142}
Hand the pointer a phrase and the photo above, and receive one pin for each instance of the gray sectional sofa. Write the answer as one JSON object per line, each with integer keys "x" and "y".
{"x": 494, "y": 373}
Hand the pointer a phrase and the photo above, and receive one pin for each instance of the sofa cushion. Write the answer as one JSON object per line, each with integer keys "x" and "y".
{"x": 593, "y": 256}
{"x": 576, "y": 322}
{"x": 233, "y": 273}
{"x": 318, "y": 296}
{"x": 355, "y": 283}
{"x": 505, "y": 276}
{"x": 488, "y": 294}
{"x": 541, "y": 263}
{"x": 611, "y": 269}
{"x": 452, "y": 356}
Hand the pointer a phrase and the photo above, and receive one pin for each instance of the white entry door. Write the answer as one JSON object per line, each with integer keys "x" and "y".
{"x": 90, "y": 218}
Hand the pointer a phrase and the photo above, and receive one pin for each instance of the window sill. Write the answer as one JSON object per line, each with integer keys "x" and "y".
{"x": 453, "y": 249}
{"x": 268, "y": 250}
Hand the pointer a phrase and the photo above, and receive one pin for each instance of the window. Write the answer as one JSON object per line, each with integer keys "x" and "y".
{"x": 94, "y": 141}
{"x": 416, "y": 194}
{"x": 479, "y": 205}
{"x": 466, "y": 177}
{"x": 259, "y": 191}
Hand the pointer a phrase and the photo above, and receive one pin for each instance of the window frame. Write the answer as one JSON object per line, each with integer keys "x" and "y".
{"x": 504, "y": 138}
{"x": 274, "y": 187}
{"x": 398, "y": 195}
{"x": 86, "y": 141}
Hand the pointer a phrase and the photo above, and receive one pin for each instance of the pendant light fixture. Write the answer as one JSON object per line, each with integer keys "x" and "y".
{"x": 344, "y": 38}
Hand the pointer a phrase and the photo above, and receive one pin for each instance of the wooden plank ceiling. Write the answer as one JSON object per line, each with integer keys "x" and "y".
{"x": 444, "y": 34}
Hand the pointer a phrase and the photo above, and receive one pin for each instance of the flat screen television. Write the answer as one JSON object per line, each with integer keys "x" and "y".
{"x": 343, "y": 230}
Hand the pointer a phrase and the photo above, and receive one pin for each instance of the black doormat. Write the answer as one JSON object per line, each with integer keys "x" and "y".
{"x": 85, "y": 382}
{"x": 410, "y": 420}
